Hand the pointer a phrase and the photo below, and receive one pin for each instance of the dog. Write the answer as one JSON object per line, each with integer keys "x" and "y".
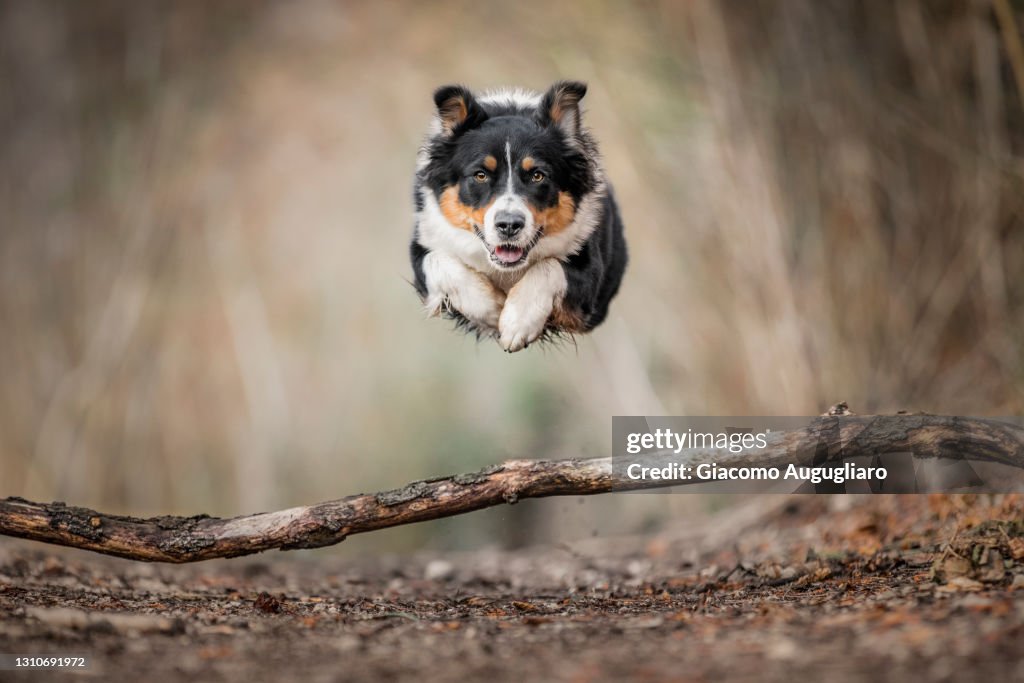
{"x": 517, "y": 234}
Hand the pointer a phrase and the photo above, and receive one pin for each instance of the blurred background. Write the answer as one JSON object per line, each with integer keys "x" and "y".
{"x": 205, "y": 208}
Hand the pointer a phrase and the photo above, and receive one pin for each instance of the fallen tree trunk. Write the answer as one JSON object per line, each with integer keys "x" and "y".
{"x": 190, "y": 539}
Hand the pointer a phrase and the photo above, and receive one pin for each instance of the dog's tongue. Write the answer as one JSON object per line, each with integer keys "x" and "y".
{"x": 507, "y": 254}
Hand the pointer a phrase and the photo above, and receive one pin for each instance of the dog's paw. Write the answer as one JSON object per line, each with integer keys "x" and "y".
{"x": 522, "y": 322}
{"x": 481, "y": 304}
{"x": 453, "y": 287}
{"x": 529, "y": 305}
{"x": 478, "y": 302}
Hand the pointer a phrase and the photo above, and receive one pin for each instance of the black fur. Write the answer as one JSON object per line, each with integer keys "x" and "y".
{"x": 595, "y": 271}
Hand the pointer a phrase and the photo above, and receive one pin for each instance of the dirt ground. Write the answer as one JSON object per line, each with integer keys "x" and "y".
{"x": 844, "y": 588}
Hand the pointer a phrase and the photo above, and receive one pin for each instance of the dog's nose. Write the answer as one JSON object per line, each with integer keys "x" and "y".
{"x": 509, "y": 223}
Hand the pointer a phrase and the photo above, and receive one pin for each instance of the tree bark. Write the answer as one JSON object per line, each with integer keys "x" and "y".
{"x": 177, "y": 539}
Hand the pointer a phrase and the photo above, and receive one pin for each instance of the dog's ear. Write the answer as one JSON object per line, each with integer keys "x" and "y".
{"x": 560, "y": 107}
{"x": 457, "y": 109}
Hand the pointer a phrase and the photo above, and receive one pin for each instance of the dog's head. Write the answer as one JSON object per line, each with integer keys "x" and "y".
{"x": 510, "y": 169}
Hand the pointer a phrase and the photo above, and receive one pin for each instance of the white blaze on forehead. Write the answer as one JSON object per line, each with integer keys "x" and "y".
{"x": 508, "y": 158}
{"x": 509, "y": 201}
{"x": 510, "y": 198}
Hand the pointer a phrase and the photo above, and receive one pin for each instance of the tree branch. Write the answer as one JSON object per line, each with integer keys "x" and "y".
{"x": 191, "y": 539}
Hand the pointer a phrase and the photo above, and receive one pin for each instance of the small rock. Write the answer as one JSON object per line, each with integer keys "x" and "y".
{"x": 952, "y": 567}
{"x": 646, "y": 622}
{"x": 638, "y": 568}
{"x": 782, "y": 649}
{"x": 53, "y": 567}
{"x": 709, "y": 572}
{"x": 438, "y": 570}
{"x": 975, "y": 601}
{"x": 960, "y": 583}
{"x": 348, "y": 642}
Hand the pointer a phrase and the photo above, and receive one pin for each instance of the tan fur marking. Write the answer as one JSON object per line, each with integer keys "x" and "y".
{"x": 458, "y": 214}
{"x": 453, "y": 112}
{"x": 490, "y": 163}
{"x": 567, "y": 320}
{"x": 556, "y": 112}
{"x": 558, "y": 217}
{"x": 564, "y": 101}
{"x": 528, "y": 163}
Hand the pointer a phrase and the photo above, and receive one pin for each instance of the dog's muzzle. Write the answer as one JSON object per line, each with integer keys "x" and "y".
{"x": 509, "y": 224}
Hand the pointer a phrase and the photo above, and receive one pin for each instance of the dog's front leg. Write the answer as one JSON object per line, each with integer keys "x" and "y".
{"x": 530, "y": 303}
{"x": 451, "y": 283}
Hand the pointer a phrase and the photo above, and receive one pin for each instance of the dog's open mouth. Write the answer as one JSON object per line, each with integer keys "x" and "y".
{"x": 508, "y": 254}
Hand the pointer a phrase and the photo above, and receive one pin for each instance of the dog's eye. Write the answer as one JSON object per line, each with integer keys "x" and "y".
{"x": 480, "y": 177}
{"x": 537, "y": 176}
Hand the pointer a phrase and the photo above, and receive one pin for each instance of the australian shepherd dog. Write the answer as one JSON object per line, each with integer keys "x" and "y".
{"x": 517, "y": 234}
